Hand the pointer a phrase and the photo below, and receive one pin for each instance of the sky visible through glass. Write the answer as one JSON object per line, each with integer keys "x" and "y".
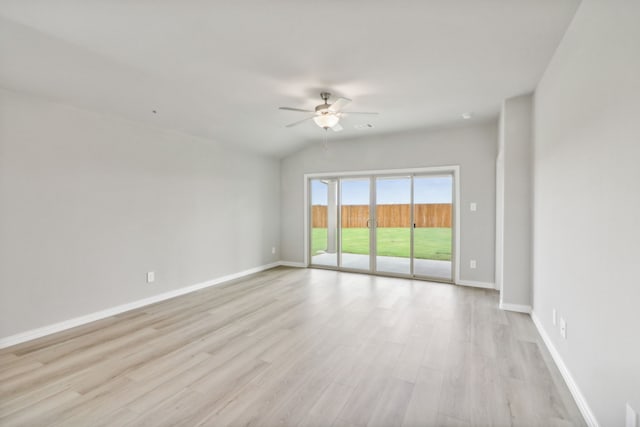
{"x": 434, "y": 189}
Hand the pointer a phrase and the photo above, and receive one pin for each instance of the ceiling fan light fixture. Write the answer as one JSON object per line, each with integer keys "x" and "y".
{"x": 326, "y": 121}
{"x": 326, "y": 115}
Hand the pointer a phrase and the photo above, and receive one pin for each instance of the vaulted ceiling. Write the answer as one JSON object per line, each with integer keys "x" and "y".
{"x": 220, "y": 69}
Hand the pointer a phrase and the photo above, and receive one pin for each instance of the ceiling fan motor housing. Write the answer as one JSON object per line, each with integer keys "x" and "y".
{"x": 324, "y": 108}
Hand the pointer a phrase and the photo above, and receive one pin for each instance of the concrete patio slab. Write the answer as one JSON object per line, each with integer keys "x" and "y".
{"x": 386, "y": 264}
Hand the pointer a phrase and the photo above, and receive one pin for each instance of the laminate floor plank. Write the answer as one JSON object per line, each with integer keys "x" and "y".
{"x": 422, "y": 409}
{"x": 411, "y": 359}
{"x": 327, "y": 406}
{"x": 307, "y": 389}
{"x": 41, "y": 412}
{"x": 392, "y": 405}
{"x": 294, "y": 347}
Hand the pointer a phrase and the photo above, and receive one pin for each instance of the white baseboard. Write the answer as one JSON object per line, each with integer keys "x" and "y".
{"x": 516, "y": 307}
{"x": 293, "y": 264}
{"x": 586, "y": 411}
{"x": 91, "y": 317}
{"x": 476, "y": 284}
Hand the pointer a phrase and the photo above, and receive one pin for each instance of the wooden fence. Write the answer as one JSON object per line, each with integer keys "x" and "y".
{"x": 355, "y": 216}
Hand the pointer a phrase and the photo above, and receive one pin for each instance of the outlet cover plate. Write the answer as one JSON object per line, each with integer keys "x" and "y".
{"x": 563, "y": 328}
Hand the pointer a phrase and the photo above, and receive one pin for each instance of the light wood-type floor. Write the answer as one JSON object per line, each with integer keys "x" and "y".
{"x": 294, "y": 347}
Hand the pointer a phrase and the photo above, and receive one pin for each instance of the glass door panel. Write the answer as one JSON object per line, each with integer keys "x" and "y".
{"x": 355, "y": 219}
{"x": 433, "y": 219}
{"x": 393, "y": 225}
{"x": 324, "y": 222}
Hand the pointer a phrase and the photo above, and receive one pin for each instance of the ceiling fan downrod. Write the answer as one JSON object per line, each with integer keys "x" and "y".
{"x": 325, "y": 97}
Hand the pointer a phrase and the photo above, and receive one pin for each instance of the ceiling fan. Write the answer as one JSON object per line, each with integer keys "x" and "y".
{"x": 326, "y": 115}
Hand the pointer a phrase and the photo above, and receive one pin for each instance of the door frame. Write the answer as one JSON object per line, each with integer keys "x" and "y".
{"x": 452, "y": 169}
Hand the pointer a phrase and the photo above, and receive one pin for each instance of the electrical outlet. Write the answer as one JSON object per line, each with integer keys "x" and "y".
{"x": 563, "y": 328}
{"x": 273, "y": 250}
{"x": 632, "y": 417}
{"x": 554, "y": 317}
{"x": 151, "y": 277}
{"x": 473, "y": 207}
{"x": 472, "y": 263}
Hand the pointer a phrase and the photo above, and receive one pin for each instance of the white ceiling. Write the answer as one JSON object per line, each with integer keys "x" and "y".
{"x": 220, "y": 69}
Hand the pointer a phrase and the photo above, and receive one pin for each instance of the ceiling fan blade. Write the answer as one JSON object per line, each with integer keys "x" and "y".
{"x": 359, "y": 112}
{"x": 296, "y": 109}
{"x": 340, "y": 103}
{"x": 336, "y": 127}
{"x": 290, "y": 125}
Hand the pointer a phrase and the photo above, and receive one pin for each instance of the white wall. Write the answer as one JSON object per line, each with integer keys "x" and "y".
{"x": 513, "y": 211}
{"x": 471, "y": 147}
{"x": 587, "y": 203}
{"x": 90, "y": 203}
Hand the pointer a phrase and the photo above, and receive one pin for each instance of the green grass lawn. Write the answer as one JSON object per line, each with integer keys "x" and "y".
{"x": 430, "y": 243}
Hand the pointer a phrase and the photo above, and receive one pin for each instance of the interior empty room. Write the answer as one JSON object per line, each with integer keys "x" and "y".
{"x": 337, "y": 213}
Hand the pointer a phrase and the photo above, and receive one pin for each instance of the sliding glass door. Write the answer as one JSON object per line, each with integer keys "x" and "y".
{"x": 355, "y": 239}
{"x": 432, "y": 232}
{"x": 393, "y": 225}
{"x": 400, "y": 225}
{"x": 323, "y": 231}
